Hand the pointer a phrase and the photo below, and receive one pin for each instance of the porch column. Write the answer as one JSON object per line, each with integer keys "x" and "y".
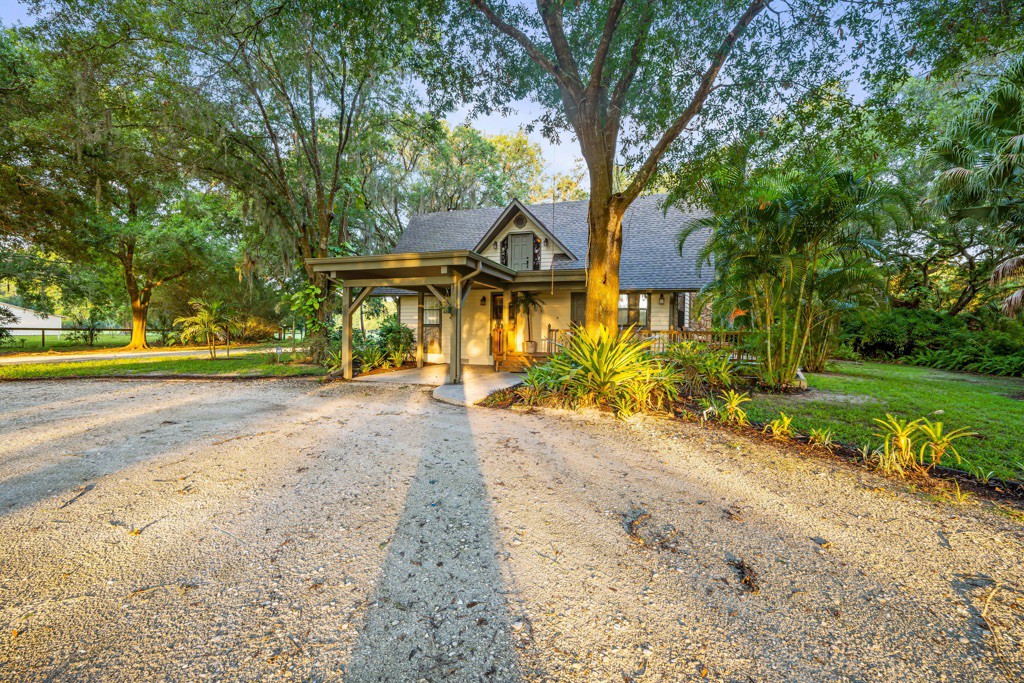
{"x": 506, "y": 295}
{"x": 419, "y": 330}
{"x": 455, "y": 349}
{"x": 346, "y": 332}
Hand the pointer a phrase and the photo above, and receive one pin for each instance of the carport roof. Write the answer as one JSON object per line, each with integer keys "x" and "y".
{"x": 414, "y": 271}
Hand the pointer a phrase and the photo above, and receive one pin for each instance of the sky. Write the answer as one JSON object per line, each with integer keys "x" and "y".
{"x": 558, "y": 158}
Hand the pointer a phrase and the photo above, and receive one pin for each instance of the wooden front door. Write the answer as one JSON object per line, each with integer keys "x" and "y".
{"x": 520, "y": 251}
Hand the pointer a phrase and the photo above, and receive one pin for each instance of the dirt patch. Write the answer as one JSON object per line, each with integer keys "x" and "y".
{"x": 817, "y": 395}
{"x": 298, "y": 531}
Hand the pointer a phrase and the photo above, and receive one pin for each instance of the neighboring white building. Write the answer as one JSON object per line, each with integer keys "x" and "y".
{"x": 29, "y": 322}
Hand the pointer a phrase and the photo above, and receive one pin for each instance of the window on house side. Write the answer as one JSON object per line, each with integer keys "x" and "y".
{"x": 634, "y": 309}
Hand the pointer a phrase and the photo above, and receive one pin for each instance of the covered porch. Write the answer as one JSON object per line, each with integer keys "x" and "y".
{"x": 448, "y": 276}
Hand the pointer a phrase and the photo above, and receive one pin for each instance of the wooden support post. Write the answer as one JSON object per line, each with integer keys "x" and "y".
{"x": 419, "y": 330}
{"x": 506, "y": 296}
{"x": 455, "y": 348}
{"x": 346, "y": 332}
{"x": 44, "y": 338}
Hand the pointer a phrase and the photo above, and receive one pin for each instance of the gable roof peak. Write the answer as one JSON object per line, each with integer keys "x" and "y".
{"x": 516, "y": 207}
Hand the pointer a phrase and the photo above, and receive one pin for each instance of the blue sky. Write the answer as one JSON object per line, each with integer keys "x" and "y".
{"x": 559, "y": 158}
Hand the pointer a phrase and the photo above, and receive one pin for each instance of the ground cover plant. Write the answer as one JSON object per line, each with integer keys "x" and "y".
{"x": 249, "y": 364}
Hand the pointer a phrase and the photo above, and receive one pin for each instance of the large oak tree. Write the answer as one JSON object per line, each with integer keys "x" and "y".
{"x": 642, "y": 84}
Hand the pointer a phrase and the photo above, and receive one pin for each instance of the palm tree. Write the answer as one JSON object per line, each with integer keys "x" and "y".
{"x": 526, "y": 303}
{"x": 209, "y": 321}
{"x": 982, "y": 155}
{"x": 792, "y": 247}
{"x": 1007, "y": 271}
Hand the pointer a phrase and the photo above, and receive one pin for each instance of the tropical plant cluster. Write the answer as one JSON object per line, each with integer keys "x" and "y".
{"x": 936, "y": 340}
{"x": 386, "y": 347}
{"x": 604, "y": 369}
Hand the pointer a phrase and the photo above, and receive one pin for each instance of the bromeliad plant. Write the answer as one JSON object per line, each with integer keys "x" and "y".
{"x": 730, "y": 407}
{"x": 603, "y": 368}
{"x": 781, "y": 427}
{"x": 938, "y": 443}
{"x": 821, "y": 437}
{"x": 898, "y": 436}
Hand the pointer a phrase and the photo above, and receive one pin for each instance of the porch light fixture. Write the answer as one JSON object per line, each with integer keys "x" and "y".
{"x": 661, "y": 299}
{"x": 483, "y": 300}
{"x": 545, "y": 241}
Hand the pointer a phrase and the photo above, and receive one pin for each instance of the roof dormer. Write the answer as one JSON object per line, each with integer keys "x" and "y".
{"x": 519, "y": 240}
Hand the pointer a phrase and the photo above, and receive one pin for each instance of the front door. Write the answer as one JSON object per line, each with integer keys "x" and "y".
{"x": 520, "y": 251}
{"x": 497, "y": 302}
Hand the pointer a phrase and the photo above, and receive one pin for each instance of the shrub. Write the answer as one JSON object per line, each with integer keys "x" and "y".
{"x": 7, "y": 318}
{"x": 703, "y": 371}
{"x": 252, "y": 328}
{"x": 395, "y": 337}
{"x": 900, "y": 331}
{"x": 370, "y": 357}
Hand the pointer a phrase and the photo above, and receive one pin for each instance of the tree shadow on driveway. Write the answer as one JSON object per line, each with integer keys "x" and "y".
{"x": 440, "y": 611}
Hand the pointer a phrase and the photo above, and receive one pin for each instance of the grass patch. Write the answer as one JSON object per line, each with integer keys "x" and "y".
{"x": 34, "y": 343}
{"x": 252, "y": 364}
{"x": 856, "y": 393}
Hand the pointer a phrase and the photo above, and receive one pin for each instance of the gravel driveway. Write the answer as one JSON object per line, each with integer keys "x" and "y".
{"x": 288, "y": 530}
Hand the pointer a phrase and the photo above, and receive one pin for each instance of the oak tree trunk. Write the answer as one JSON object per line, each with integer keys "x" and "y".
{"x": 140, "y": 311}
{"x": 604, "y": 251}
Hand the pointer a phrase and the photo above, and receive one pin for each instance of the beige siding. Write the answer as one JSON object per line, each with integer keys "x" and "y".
{"x": 660, "y": 311}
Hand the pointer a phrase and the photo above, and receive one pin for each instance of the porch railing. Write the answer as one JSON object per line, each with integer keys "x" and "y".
{"x": 662, "y": 339}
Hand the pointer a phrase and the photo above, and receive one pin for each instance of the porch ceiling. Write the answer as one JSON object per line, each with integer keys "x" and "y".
{"x": 414, "y": 271}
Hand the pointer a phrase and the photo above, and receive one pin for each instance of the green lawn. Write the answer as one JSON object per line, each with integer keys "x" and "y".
{"x": 255, "y": 364}
{"x": 34, "y": 343}
{"x": 857, "y": 392}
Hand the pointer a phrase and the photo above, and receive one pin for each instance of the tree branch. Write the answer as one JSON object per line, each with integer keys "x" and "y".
{"x": 611, "y": 24}
{"x": 696, "y": 103}
{"x": 534, "y": 52}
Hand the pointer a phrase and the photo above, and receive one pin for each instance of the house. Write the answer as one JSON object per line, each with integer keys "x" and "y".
{"x": 457, "y": 274}
{"x": 29, "y": 323}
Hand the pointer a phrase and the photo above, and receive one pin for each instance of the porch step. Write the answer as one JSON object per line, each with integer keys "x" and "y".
{"x": 519, "y": 362}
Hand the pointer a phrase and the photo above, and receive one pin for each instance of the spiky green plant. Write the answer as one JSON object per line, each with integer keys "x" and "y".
{"x": 821, "y": 437}
{"x": 897, "y": 455}
{"x": 781, "y": 427}
{"x": 731, "y": 402}
{"x": 939, "y": 442}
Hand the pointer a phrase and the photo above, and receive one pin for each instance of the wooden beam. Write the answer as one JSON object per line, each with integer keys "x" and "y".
{"x": 419, "y": 330}
{"x": 367, "y": 291}
{"x": 465, "y": 292}
{"x": 440, "y": 297}
{"x": 505, "y": 301}
{"x": 399, "y": 281}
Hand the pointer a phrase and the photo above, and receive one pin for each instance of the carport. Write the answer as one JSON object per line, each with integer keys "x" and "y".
{"x": 448, "y": 275}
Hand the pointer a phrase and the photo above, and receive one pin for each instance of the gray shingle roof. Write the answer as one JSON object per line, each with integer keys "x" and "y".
{"x": 650, "y": 257}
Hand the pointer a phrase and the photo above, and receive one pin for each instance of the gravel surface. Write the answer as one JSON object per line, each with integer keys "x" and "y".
{"x": 290, "y": 530}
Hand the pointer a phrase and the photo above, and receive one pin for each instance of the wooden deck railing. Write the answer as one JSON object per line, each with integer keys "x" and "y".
{"x": 662, "y": 339}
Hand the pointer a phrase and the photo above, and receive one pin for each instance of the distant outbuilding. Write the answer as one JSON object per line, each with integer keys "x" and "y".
{"x": 29, "y": 322}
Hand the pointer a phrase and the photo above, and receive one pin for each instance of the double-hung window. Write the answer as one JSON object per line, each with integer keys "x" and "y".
{"x": 634, "y": 309}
